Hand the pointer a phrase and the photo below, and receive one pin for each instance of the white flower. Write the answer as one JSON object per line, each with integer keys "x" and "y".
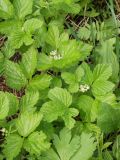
{"x": 84, "y": 88}
{"x": 54, "y": 55}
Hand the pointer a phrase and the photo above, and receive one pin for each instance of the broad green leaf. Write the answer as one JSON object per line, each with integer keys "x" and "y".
{"x": 27, "y": 122}
{"x": 108, "y": 118}
{"x": 13, "y": 103}
{"x": 109, "y": 98}
{"x": 19, "y": 37}
{"x": 29, "y": 100}
{"x": 31, "y": 25}
{"x": 12, "y": 146}
{"x": 88, "y": 76}
{"x": 79, "y": 73}
{"x": 87, "y": 147}
{"x": 102, "y": 87}
{"x": 53, "y": 36}
{"x": 23, "y": 8}
{"x": 102, "y": 72}
{"x": 14, "y": 75}
{"x": 69, "y": 78}
{"x": 7, "y": 26}
{"x": 60, "y": 96}
{"x": 4, "y": 105}
{"x": 6, "y": 9}
{"x": 51, "y": 111}
{"x": 40, "y": 82}
{"x": 66, "y": 145}
{"x": 73, "y": 88}
{"x": 85, "y": 106}
{"x": 29, "y": 62}
{"x": 44, "y": 62}
{"x": 36, "y": 143}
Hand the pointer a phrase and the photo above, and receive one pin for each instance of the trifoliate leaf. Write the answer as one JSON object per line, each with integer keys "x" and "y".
{"x": 102, "y": 72}
{"x": 61, "y": 96}
{"x": 29, "y": 62}
{"x": 101, "y": 87}
{"x": 31, "y": 25}
{"x": 27, "y": 122}
{"x": 108, "y": 118}
{"x": 36, "y": 143}
{"x": 22, "y": 8}
{"x": 6, "y": 9}
{"x": 14, "y": 75}
{"x": 29, "y": 100}
{"x": 40, "y": 82}
{"x": 4, "y": 105}
{"x": 12, "y": 146}
{"x": 68, "y": 147}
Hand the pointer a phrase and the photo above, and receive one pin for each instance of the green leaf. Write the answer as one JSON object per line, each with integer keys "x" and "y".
{"x": 14, "y": 75}
{"x": 31, "y": 25}
{"x": 84, "y": 105}
{"x": 88, "y": 76}
{"x": 53, "y": 36}
{"x": 73, "y": 88}
{"x": 29, "y": 62}
{"x": 102, "y": 87}
{"x": 102, "y": 72}
{"x": 12, "y": 146}
{"x": 61, "y": 96}
{"x": 36, "y": 143}
{"x": 40, "y": 82}
{"x": 106, "y": 55}
{"x": 29, "y": 100}
{"x": 4, "y": 105}
{"x": 27, "y": 122}
{"x": 68, "y": 117}
{"x": 79, "y": 73}
{"x": 51, "y": 111}
{"x": 65, "y": 144}
{"x": 23, "y": 8}
{"x": 87, "y": 147}
{"x": 18, "y": 37}
{"x": 6, "y": 9}
{"x": 63, "y": 99}
{"x": 116, "y": 147}
{"x": 108, "y": 118}
{"x": 69, "y": 78}
{"x": 13, "y": 103}
{"x": 69, "y": 147}
{"x": 7, "y": 26}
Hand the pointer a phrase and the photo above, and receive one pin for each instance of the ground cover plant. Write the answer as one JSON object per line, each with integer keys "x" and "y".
{"x": 59, "y": 80}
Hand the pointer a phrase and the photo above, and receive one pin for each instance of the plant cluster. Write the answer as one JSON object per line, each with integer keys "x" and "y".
{"x": 59, "y": 80}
